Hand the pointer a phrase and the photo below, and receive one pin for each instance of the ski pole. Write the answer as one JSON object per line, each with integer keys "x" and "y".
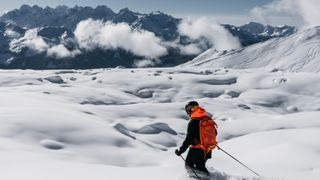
{"x": 237, "y": 160}
{"x": 190, "y": 167}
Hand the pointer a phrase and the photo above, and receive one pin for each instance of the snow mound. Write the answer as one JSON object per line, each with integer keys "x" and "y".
{"x": 51, "y": 144}
{"x": 225, "y": 81}
{"x": 156, "y": 128}
{"x": 55, "y": 79}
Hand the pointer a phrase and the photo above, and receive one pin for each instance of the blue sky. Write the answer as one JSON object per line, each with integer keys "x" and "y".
{"x": 225, "y": 11}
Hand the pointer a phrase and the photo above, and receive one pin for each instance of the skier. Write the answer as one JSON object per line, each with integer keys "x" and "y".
{"x": 199, "y": 152}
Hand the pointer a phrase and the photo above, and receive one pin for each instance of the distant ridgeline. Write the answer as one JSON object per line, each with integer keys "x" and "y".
{"x": 52, "y": 38}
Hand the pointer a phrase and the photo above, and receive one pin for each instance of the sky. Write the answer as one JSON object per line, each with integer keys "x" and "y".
{"x": 225, "y": 11}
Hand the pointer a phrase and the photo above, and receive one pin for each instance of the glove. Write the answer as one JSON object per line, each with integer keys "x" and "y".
{"x": 178, "y": 153}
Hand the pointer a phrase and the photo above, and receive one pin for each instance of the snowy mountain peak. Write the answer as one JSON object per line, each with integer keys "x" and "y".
{"x": 127, "y": 16}
{"x": 253, "y": 27}
{"x": 157, "y": 13}
{"x": 125, "y": 10}
{"x": 160, "y": 14}
{"x": 25, "y": 7}
{"x": 60, "y": 7}
{"x": 268, "y": 30}
{"x": 162, "y": 25}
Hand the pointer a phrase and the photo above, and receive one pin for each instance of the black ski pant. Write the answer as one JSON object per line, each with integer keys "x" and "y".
{"x": 196, "y": 160}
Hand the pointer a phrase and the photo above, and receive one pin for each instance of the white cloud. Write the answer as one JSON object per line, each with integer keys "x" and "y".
{"x": 91, "y": 34}
{"x": 39, "y": 45}
{"x": 208, "y": 28}
{"x": 190, "y": 49}
{"x": 12, "y": 34}
{"x": 32, "y": 41}
{"x": 60, "y": 51}
{"x": 305, "y": 10}
{"x": 140, "y": 63}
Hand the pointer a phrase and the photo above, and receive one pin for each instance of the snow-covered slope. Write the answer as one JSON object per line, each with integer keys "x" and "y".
{"x": 298, "y": 52}
{"x": 125, "y": 123}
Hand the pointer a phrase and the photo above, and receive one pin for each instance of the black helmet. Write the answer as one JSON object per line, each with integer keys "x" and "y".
{"x": 190, "y": 105}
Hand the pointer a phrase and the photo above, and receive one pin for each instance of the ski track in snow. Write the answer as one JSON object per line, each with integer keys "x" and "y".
{"x": 126, "y": 123}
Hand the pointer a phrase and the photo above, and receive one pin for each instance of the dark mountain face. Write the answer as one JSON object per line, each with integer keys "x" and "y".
{"x": 7, "y": 32}
{"x": 35, "y": 16}
{"x": 267, "y": 30}
{"x": 253, "y": 32}
{"x": 29, "y": 35}
{"x": 253, "y": 27}
{"x": 126, "y": 16}
{"x": 54, "y": 32}
{"x": 245, "y": 37}
{"x": 160, "y": 24}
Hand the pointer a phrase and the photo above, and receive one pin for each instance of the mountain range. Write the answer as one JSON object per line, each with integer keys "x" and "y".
{"x": 28, "y": 34}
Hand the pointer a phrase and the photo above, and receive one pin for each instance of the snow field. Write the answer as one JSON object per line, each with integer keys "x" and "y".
{"x": 126, "y": 123}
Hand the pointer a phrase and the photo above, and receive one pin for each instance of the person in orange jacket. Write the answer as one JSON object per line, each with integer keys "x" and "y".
{"x": 196, "y": 157}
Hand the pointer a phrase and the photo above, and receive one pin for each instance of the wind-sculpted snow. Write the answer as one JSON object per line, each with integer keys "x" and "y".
{"x": 126, "y": 123}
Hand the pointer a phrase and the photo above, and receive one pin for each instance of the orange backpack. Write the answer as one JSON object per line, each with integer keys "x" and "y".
{"x": 208, "y": 134}
{"x": 207, "y": 130}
